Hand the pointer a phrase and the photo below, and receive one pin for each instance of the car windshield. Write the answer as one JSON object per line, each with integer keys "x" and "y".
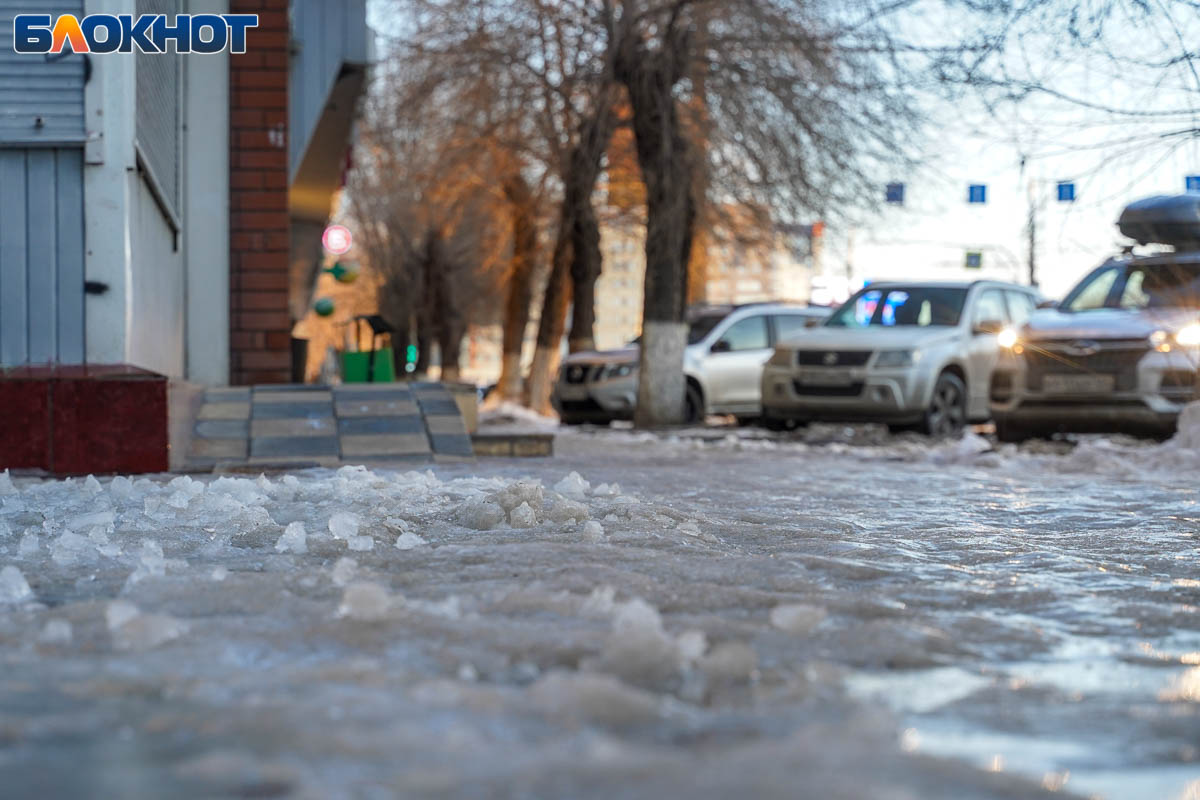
{"x": 919, "y": 306}
{"x": 701, "y": 325}
{"x": 1137, "y": 286}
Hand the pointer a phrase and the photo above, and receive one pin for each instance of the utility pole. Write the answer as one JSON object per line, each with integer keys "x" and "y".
{"x": 1032, "y": 226}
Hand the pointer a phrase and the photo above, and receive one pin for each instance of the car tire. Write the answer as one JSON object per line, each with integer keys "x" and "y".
{"x": 693, "y": 409}
{"x": 779, "y": 423}
{"x": 946, "y": 416}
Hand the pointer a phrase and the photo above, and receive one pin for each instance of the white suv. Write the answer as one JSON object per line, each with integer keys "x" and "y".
{"x": 723, "y": 361}
{"x": 905, "y": 354}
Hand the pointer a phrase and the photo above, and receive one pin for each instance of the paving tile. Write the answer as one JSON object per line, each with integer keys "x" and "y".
{"x": 291, "y": 387}
{"x": 441, "y": 423}
{"x": 297, "y": 426}
{"x": 224, "y": 411}
{"x": 291, "y": 410}
{"x": 223, "y": 429}
{"x": 451, "y": 444}
{"x": 371, "y": 391}
{"x": 217, "y": 448}
{"x": 274, "y": 446}
{"x": 393, "y": 461}
{"x": 308, "y": 396}
{"x": 282, "y": 463}
{"x": 445, "y": 406}
{"x": 376, "y": 408}
{"x": 367, "y": 425}
{"x": 395, "y": 444}
{"x": 232, "y": 394}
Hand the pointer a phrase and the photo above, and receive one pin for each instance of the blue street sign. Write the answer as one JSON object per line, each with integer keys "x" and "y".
{"x": 894, "y": 193}
{"x": 1192, "y": 182}
{"x": 977, "y": 193}
{"x": 974, "y": 260}
{"x": 1066, "y": 192}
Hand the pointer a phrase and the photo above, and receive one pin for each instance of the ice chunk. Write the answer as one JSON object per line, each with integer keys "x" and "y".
{"x": 796, "y": 618}
{"x": 29, "y": 544}
{"x": 6, "y": 484}
{"x": 690, "y": 528}
{"x": 601, "y": 699}
{"x": 408, "y": 540}
{"x": 730, "y": 662}
{"x": 5, "y": 530}
{"x": 71, "y": 548}
{"x": 294, "y": 539}
{"x": 561, "y": 510}
{"x": 121, "y": 487}
{"x": 513, "y": 495}
{"x": 99, "y": 538}
{"x": 132, "y": 630}
{"x": 365, "y": 601}
{"x": 360, "y": 544}
{"x": 607, "y": 490}
{"x": 573, "y": 486}
{"x": 593, "y": 531}
{"x": 343, "y": 571}
{"x": 56, "y": 631}
{"x": 343, "y": 525}
{"x": 179, "y": 500}
{"x": 480, "y": 515}
{"x": 691, "y": 645}
{"x": 13, "y": 587}
{"x": 467, "y": 673}
{"x": 600, "y": 602}
{"x": 638, "y": 650}
{"x": 523, "y": 516}
{"x": 219, "y": 574}
{"x": 91, "y": 485}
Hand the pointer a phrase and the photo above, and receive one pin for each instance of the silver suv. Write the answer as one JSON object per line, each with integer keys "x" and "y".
{"x": 905, "y": 354}
{"x": 726, "y": 348}
{"x": 1121, "y": 352}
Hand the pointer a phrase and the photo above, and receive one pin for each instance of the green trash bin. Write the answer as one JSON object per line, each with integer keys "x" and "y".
{"x": 375, "y": 365}
{"x": 357, "y": 367}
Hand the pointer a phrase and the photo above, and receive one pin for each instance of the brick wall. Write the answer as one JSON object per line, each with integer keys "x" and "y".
{"x": 260, "y": 335}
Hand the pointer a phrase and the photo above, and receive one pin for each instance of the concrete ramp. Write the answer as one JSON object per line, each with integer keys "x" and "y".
{"x": 295, "y": 426}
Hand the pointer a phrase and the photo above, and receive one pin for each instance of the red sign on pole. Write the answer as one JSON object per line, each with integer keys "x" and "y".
{"x": 337, "y": 239}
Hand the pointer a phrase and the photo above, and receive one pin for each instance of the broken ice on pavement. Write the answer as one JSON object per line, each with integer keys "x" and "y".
{"x": 640, "y": 616}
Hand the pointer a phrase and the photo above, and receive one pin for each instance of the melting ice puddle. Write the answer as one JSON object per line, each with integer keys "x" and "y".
{"x": 918, "y": 691}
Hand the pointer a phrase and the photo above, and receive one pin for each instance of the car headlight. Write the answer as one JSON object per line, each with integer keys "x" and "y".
{"x": 894, "y": 358}
{"x": 1188, "y": 335}
{"x": 1007, "y": 338}
{"x": 619, "y": 371}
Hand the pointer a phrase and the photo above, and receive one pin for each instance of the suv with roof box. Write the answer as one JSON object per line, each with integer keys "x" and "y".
{"x": 1121, "y": 352}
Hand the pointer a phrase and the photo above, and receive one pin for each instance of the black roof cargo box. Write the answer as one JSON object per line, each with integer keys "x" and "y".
{"x": 1164, "y": 219}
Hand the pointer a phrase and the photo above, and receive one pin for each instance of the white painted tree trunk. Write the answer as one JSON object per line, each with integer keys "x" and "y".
{"x": 541, "y": 378}
{"x": 661, "y": 385}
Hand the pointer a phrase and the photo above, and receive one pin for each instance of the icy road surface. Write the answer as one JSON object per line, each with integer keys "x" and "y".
{"x": 739, "y": 618}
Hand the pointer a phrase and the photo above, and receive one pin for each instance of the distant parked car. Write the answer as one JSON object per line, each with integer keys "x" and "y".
{"x": 905, "y": 354}
{"x": 1121, "y": 352}
{"x": 726, "y": 348}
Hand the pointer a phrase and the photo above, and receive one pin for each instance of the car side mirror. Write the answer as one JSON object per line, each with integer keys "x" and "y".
{"x": 988, "y": 326}
{"x": 1048, "y": 304}
{"x": 720, "y": 346}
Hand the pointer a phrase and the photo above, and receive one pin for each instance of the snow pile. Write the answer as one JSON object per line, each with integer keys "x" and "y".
{"x": 131, "y": 629}
{"x": 502, "y": 415}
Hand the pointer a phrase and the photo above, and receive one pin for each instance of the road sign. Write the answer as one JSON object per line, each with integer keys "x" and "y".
{"x": 1192, "y": 182}
{"x": 974, "y": 260}
{"x": 1066, "y": 192}
{"x": 977, "y": 193}
{"x": 894, "y": 193}
{"x": 337, "y": 239}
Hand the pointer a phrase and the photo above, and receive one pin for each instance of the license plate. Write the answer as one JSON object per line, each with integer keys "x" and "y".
{"x": 1078, "y": 384}
{"x": 826, "y": 378}
{"x": 573, "y": 392}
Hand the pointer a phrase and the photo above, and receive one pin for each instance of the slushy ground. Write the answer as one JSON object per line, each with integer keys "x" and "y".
{"x": 832, "y": 614}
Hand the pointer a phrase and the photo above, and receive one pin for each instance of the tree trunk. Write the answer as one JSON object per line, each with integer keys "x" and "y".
{"x": 670, "y": 207}
{"x": 450, "y": 344}
{"x": 579, "y": 181}
{"x": 585, "y": 269}
{"x": 520, "y": 285}
{"x": 551, "y": 326}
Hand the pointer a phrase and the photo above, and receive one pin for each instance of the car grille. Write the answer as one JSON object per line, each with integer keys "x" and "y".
{"x": 579, "y": 373}
{"x": 833, "y": 358}
{"x": 1116, "y": 357}
{"x": 851, "y": 390}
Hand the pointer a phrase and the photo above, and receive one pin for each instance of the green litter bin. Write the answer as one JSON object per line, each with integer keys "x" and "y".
{"x": 375, "y": 365}
{"x": 357, "y": 367}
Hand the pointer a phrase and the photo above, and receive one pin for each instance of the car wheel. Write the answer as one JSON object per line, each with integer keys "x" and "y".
{"x": 947, "y": 412}
{"x": 778, "y": 423}
{"x": 693, "y": 412}
{"x": 580, "y": 421}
